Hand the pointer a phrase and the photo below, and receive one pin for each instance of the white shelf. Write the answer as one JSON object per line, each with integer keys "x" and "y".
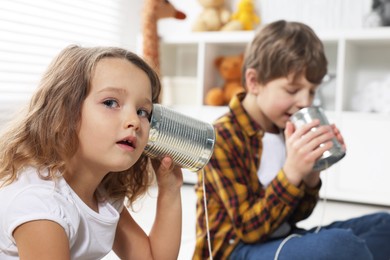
{"x": 361, "y": 35}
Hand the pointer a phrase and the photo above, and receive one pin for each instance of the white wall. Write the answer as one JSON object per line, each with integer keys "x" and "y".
{"x": 33, "y": 32}
{"x": 131, "y": 23}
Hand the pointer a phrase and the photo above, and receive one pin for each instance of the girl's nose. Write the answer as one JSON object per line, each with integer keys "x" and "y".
{"x": 132, "y": 121}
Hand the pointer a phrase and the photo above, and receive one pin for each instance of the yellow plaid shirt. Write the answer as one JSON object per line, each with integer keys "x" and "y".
{"x": 239, "y": 207}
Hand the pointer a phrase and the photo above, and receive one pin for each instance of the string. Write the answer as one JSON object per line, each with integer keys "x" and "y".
{"x": 206, "y": 216}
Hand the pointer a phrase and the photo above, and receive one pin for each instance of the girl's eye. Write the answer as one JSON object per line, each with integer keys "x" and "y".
{"x": 111, "y": 103}
{"x": 144, "y": 113}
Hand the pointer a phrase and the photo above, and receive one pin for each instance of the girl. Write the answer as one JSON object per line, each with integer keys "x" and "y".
{"x": 68, "y": 165}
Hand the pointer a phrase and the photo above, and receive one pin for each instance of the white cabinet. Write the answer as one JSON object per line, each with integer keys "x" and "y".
{"x": 356, "y": 59}
{"x": 363, "y": 175}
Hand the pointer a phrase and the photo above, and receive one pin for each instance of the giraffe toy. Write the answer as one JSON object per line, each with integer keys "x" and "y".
{"x": 155, "y": 10}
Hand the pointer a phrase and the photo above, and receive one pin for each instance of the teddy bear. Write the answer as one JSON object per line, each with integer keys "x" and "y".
{"x": 229, "y": 68}
{"x": 244, "y": 18}
{"x": 213, "y": 16}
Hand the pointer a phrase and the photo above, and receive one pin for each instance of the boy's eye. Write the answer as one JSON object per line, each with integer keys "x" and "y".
{"x": 291, "y": 91}
{"x": 111, "y": 103}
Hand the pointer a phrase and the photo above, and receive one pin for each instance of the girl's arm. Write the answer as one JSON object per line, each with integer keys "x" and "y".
{"x": 164, "y": 239}
{"x": 42, "y": 239}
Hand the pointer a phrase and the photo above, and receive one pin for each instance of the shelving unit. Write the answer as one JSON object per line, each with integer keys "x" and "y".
{"x": 356, "y": 58}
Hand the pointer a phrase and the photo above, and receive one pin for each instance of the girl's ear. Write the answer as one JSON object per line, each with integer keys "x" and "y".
{"x": 251, "y": 81}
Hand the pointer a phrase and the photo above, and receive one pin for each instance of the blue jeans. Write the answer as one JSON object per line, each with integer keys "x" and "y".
{"x": 362, "y": 238}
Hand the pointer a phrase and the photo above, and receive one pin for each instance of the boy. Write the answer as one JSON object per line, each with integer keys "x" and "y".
{"x": 259, "y": 182}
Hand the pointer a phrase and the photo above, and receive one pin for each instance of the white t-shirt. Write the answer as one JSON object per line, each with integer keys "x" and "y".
{"x": 90, "y": 234}
{"x": 272, "y": 158}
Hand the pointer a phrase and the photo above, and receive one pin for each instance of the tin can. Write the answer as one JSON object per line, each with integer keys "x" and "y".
{"x": 329, "y": 157}
{"x": 188, "y": 141}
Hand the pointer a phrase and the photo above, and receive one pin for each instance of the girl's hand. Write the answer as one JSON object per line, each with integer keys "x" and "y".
{"x": 304, "y": 148}
{"x": 131, "y": 242}
{"x": 169, "y": 176}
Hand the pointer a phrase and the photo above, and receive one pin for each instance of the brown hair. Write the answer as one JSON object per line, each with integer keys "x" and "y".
{"x": 281, "y": 48}
{"x": 45, "y": 136}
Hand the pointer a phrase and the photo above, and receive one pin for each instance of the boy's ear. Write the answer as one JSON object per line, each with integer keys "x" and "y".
{"x": 252, "y": 85}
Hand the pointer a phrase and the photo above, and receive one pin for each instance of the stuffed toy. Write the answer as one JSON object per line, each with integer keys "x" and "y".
{"x": 383, "y": 8}
{"x": 213, "y": 16}
{"x": 155, "y": 10}
{"x": 244, "y": 18}
{"x": 380, "y": 14}
{"x": 373, "y": 97}
{"x": 229, "y": 68}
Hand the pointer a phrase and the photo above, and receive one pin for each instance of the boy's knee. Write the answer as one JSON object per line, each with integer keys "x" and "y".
{"x": 379, "y": 220}
{"x": 341, "y": 237}
{"x": 344, "y": 243}
{"x": 382, "y": 217}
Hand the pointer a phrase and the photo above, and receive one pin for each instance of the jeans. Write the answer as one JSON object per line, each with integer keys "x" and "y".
{"x": 362, "y": 238}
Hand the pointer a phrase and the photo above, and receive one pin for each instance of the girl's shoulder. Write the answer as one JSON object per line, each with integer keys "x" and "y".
{"x": 31, "y": 181}
{"x": 28, "y": 178}
{"x": 31, "y": 197}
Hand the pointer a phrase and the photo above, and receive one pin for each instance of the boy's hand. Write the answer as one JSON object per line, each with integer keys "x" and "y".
{"x": 338, "y": 135}
{"x": 304, "y": 148}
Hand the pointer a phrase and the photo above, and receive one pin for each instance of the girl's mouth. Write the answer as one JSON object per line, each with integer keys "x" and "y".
{"x": 127, "y": 143}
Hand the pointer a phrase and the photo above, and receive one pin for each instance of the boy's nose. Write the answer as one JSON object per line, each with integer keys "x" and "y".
{"x": 304, "y": 100}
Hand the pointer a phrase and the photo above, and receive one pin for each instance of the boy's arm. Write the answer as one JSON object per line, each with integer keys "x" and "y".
{"x": 42, "y": 239}
{"x": 312, "y": 187}
{"x": 307, "y": 203}
{"x": 255, "y": 212}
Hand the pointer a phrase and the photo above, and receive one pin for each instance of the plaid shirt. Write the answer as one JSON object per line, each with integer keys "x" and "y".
{"x": 239, "y": 207}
